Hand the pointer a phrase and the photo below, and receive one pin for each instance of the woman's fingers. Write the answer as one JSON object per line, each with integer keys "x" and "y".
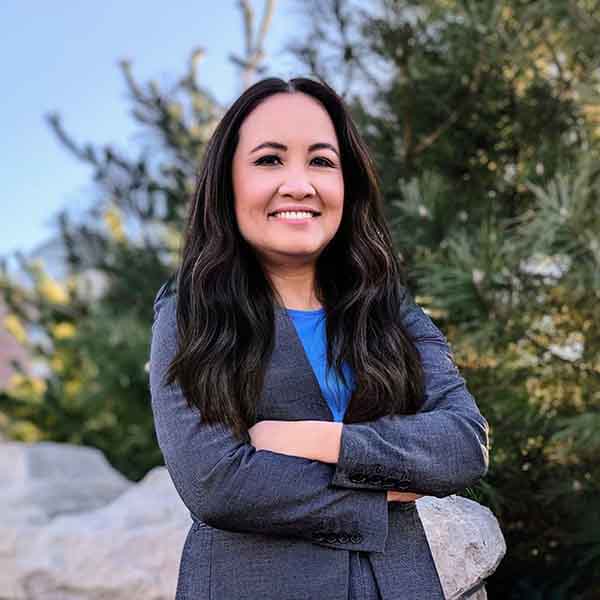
{"x": 402, "y": 496}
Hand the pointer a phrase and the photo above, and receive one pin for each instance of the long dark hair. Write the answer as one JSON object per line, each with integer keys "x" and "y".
{"x": 225, "y": 300}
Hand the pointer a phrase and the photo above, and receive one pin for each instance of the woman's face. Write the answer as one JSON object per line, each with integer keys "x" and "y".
{"x": 267, "y": 178}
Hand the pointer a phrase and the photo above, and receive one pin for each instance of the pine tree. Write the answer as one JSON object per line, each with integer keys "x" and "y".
{"x": 484, "y": 120}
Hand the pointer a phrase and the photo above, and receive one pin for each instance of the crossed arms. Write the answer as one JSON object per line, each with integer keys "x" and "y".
{"x": 230, "y": 484}
{"x": 315, "y": 440}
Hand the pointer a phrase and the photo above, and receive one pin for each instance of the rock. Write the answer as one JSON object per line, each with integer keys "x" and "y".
{"x": 466, "y": 543}
{"x": 47, "y": 479}
{"x": 73, "y": 528}
{"x": 40, "y": 482}
{"x": 129, "y": 549}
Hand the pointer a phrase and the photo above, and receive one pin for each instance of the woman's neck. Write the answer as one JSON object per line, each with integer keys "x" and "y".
{"x": 297, "y": 290}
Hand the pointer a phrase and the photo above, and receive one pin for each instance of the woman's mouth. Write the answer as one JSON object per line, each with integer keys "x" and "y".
{"x": 293, "y": 217}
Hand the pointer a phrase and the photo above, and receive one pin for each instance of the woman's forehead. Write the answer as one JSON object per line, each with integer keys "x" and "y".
{"x": 288, "y": 120}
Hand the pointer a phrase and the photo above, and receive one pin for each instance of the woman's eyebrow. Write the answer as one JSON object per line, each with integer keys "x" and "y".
{"x": 278, "y": 146}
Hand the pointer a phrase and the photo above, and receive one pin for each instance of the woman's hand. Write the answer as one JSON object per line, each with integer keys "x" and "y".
{"x": 393, "y": 496}
{"x": 284, "y": 437}
{"x": 268, "y": 435}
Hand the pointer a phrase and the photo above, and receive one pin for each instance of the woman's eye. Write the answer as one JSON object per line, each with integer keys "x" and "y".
{"x": 264, "y": 160}
{"x": 325, "y": 161}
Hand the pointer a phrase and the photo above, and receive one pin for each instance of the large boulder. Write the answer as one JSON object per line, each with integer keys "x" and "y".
{"x": 466, "y": 543}
{"x": 39, "y": 483}
{"x": 126, "y": 550}
{"x": 73, "y": 528}
{"x": 43, "y": 480}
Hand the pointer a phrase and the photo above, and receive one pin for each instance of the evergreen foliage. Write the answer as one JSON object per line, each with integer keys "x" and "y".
{"x": 484, "y": 118}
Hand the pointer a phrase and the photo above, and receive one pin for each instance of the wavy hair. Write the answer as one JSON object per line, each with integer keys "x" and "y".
{"x": 225, "y": 299}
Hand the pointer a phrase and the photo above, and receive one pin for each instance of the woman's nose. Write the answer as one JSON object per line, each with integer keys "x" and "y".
{"x": 297, "y": 188}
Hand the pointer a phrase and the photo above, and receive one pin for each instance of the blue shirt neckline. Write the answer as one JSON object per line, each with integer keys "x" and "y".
{"x": 305, "y": 313}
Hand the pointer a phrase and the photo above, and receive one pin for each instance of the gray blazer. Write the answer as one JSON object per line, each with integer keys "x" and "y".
{"x": 273, "y": 526}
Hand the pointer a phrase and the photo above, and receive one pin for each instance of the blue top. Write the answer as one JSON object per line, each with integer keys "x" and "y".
{"x": 310, "y": 325}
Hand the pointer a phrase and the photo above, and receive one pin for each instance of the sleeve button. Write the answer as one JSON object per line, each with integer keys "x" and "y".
{"x": 402, "y": 484}
{"x": 388, "y": 482}
{"x": 375, "y": 479}
{"x": 343, "y": 538}
{"x": 378, "y": 468}
{"x": 356, "y": 538}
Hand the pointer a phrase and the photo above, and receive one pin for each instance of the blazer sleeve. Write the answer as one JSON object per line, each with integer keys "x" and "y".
{"x": 438, "y": 451}
{"x": 229, "y": 485}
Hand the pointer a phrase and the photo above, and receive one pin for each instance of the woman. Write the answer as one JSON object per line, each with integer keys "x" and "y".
{"x": 302, "y": 399}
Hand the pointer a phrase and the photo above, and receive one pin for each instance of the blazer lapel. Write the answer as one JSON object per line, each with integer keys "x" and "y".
{"x": 291, "y": 390}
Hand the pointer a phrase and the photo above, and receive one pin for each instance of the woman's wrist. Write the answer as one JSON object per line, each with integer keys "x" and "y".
{"x": 314, "y": 440}
{"x": 320, "y": 440}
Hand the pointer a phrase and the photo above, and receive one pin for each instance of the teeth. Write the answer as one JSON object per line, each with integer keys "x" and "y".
{"x": 293, "y": 215}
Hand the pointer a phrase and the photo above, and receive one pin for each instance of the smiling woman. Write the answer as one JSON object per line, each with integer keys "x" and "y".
{"x": 288, "y": 312}
{"x": 303, "y": 175}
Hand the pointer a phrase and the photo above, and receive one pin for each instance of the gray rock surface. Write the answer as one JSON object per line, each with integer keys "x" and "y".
{"x": 38, "y": 484}
{"x": 72, "y": 528}
{"x": 466, "y": 543}
{"x": 43, "y": 480}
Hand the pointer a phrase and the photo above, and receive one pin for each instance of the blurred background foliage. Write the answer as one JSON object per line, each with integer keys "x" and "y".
{"x": 484, "y": 120}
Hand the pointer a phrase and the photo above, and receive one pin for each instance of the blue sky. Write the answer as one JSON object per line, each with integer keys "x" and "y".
{"x": 63, "y": 57}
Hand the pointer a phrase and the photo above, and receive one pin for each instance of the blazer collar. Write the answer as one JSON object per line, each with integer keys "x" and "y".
{"x": 290, "y": 365}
